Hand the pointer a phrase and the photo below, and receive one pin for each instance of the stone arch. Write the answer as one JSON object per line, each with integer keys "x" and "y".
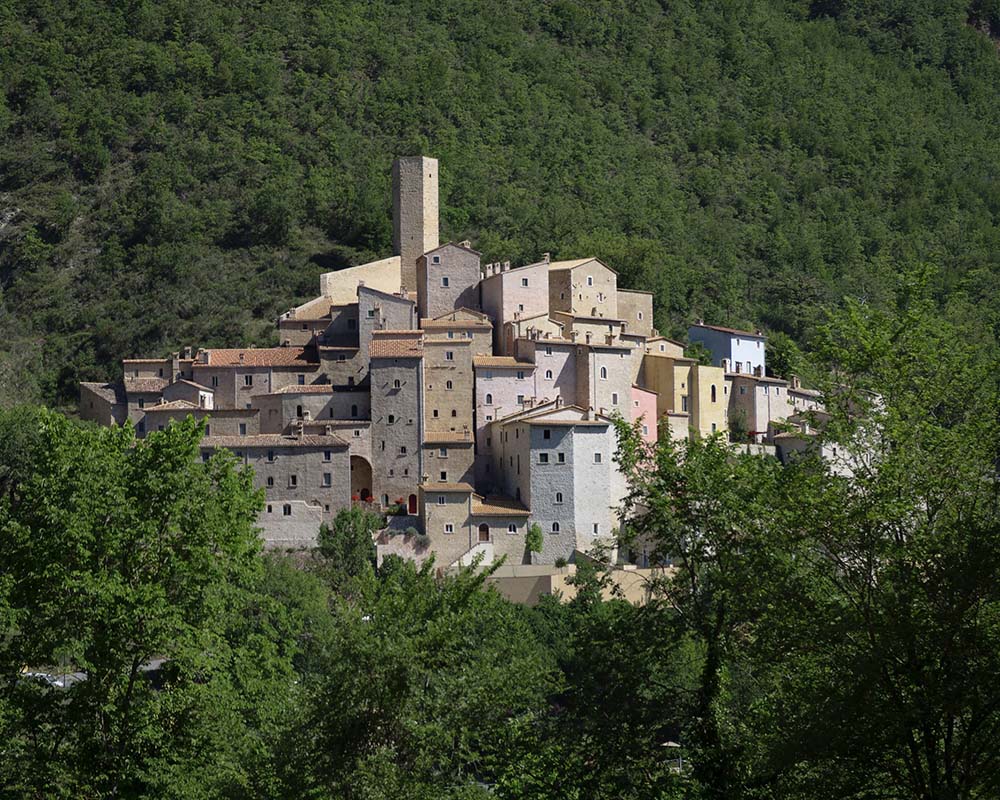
{"x": 361, "y": 478}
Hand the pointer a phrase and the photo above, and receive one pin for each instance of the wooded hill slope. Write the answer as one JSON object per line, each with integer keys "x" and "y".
{"x": 179, "y": 173}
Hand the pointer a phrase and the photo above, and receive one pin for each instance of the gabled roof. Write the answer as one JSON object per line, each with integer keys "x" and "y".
{"x": 498, "y": 505}
{"x": 174, "y": 405}
{"x": 397, "y": 344}
{"x": 455, "y": 245}
{"x": 390, "y": 296}
{"x": 555, "y": 266}
{"x": 445, "y": 488}
{"x": 145, "y": 385}
{"x": 111, "y": 392}
{"x": 731, "y": 331}
{"x": 501, "y": 362}
{"x": 459, "y": 318}
{"x": 258, "y": 357}
{"x": 198, "y": 386}
{"x": 545, "y": 414}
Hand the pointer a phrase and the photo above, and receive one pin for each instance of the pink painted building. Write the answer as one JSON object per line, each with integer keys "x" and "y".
{"x": 644, "y": 408}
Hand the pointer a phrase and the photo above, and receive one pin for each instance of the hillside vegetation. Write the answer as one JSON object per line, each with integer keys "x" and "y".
{"x": 180, "y": 173}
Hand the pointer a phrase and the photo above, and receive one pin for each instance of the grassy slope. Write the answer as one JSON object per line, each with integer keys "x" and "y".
{"x": 181, "y": 172}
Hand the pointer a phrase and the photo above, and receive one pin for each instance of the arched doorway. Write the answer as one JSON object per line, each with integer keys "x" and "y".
{"x": 484, "y": 532}
{"x": 361, "y": 478}
{"x": 411, "y": 504}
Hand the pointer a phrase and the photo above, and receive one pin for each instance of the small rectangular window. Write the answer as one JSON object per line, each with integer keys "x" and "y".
{"x": 440, "y": 499}
{"x": 561, "y": 458}
{"x": 543, "y": 458}
{"x": 443, "y": 476}
{"x": 445, "y": 282}
{"x": 597, "y": 458}
{"x": 449, "y": 527}
{"x": 301, "y": 379}
{"x": 442, "y": 452}
{"x": 327, "y": 479}
{"x": 327, "y": 455}
{"x": 546, "y": 433}
{"x": 293, "y": 481}
{"x": 524, "y": 281}
{"x": 449, "y": 355}
{"x": 248, "y": 380}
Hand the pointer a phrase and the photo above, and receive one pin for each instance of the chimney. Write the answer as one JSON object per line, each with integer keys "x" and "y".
{"x": 297, "y": 428}
{"x": 546, "y": 257}
{"x": 758, "y": 371}
{"x": 306, "y": 414}
{"x": 241, "y": 357}
{"x": 700, "y": 321}
{"x": 725, "y": 365}
{"x": 187, "y": 352}
{"x": 573, "y": 335}
{"x": 465, "y": 243}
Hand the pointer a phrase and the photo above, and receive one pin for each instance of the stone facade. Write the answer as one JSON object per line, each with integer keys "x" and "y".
{"x": 397, "y": 375}
{"x": 447, "y": 279}
{"x": 480, "y": 397}
{"x": 414, "y": 213}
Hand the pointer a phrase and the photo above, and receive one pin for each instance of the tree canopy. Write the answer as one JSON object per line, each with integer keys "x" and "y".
{"x": 180, "y": 173}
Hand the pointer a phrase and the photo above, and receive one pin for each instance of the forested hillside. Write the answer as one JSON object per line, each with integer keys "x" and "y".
{"x": 180, "y": 173}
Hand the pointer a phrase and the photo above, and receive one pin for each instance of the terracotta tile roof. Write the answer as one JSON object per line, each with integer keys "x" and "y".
{"x": 257, "y": 357}
{"x": 448, "y": 437}
{"x": 498, "y": 505}
{"x": 501, "y": 361}
{"x": 112, "y": 392}
{"x": 174, "y": 405}
{"x": 734, "y": 331}
{"x": 145, "y": 385}
{"x": 272, "y": 440}
{"x": 397, "y": 344}
{"x": 443, "y": 488}
{"x": 145, "y": 360}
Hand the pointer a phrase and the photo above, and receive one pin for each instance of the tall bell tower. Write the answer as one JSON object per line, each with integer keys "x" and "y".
{"x": 414, "y": 212}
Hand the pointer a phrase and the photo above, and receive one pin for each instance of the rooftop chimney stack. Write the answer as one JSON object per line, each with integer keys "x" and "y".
{"x": 414, "y": 212}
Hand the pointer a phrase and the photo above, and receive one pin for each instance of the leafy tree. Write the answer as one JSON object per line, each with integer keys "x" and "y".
{"x": 534, "y": 541}
{"x": 348, "y": 547}
{"x": 424, "y": 677}
{"x": 121, "y": 553}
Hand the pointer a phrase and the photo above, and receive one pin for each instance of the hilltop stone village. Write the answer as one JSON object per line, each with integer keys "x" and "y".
{"x": 469, "y": 399}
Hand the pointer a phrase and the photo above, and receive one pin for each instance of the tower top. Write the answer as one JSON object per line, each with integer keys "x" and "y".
{"x": 414, "y": 212}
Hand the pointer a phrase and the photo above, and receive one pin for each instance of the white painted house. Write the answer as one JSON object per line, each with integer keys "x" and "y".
{"x": 738, "y": 351}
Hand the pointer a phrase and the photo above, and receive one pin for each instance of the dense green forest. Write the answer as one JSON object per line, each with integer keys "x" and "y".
{"x": 180, "y": 173}
{"x": 823, "y": 634}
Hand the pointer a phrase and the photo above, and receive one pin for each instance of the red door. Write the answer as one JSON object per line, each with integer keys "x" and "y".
{"x": 411, "y": 506}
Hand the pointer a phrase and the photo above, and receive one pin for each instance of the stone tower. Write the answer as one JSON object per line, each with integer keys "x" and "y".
{"x": 414, "y": 212}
